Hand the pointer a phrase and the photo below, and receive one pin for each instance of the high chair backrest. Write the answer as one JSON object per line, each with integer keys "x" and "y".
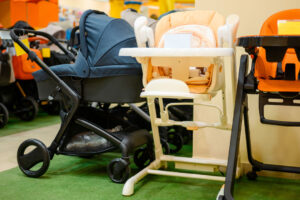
{"x": 211, "y": 19}
{"x": 264, "y": 69}
{"x": 197, "y": 29}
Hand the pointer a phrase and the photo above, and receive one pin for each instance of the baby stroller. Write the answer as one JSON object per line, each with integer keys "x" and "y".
{"x": 6, "y": 78}
{"x": 98, "y": 75}
{"x": 173, "y": 138}
{"x": 274, "y": 76}
{"x": 173, "y": 72}
{"x": 12, "y": 94}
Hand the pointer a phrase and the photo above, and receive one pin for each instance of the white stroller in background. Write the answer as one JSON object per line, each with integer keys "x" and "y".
{"x": 185, "y": 60}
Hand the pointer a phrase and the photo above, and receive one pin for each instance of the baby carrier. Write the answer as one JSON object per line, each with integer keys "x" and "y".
{"x": 98, "y": 75}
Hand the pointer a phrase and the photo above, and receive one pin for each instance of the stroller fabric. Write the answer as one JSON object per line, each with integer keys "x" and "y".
{"x": 101, "y": 38}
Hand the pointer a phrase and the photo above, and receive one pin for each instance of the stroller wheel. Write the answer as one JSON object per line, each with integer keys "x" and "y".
{"x": 118, "y": 170}
{"x": 29, "y": 162}
{"x": 252, "y": 175}
{"x": 187, "y": 136}
{"x": 175, "y": 141}
{"x": 143, "y": 157}
{"x": 3, "y": 115}
{"x": 28, "y": 109}
{"x": 165, "y": 146}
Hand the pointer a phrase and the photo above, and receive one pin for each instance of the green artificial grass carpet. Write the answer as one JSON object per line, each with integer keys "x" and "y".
{"x": 15, "y": 125}
{"x": 78, "y": 178}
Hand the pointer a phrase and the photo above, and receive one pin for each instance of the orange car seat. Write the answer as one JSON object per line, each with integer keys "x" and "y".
{"x": 23, "y": 67}
{"x": 267, "y": 72}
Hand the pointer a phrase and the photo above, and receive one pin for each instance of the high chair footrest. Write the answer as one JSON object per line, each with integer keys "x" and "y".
{"x": 281, "y": 99}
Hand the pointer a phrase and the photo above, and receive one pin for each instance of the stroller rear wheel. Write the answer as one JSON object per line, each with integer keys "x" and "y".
{"x": 118, "y": 170}
{"x": 175, "y": 141}
{"x": 3, "y": 115}
{"x": 143, "y": 157}
{"x": 27, "y": 109}
{"x": 35, "y": 162}
{"x": 165, "y": 146}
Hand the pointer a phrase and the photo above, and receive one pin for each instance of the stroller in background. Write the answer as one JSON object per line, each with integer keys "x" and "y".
{"x": 98, "y": 75}
{"x": 24, "y": 74}
{"x": 6, "y": 77}
{"x": 173, "y": 138}
{"x": 12, "y": 94}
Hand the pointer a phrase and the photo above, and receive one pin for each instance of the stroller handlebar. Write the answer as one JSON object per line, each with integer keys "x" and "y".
{"x": 33, "y": 57}
{"x": 14, "y": 33}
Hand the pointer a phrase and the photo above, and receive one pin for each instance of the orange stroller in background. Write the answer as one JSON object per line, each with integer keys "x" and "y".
{"x": 15, "y": 74}
{"x": 275, "y": 77}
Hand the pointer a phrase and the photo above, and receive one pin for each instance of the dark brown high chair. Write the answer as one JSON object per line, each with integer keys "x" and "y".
{"x": 274, "y": 74}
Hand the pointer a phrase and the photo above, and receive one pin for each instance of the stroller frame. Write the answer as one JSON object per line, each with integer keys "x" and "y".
{"x": 247, "y": 84}
{"x": 43, "y": 153}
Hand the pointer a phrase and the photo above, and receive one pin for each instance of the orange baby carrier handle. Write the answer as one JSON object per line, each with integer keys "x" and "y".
{"x": 40, "y": 39}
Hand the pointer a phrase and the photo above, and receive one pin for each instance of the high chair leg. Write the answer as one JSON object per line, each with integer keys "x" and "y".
{"x": 236, "y": 133}
{"x": 257, "y": 165}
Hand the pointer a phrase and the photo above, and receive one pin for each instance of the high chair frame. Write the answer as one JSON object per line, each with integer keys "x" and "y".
{"x": 247, "y": 84}
{"x": 180, "y": 60}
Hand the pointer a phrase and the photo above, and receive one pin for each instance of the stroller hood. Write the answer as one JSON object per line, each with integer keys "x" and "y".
{"x": 101, "y": 38}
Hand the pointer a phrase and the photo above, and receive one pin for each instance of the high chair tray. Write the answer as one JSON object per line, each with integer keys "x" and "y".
{"x": 270, "y": 41}
{"x": 275, "y": 46}
{"x": 176, "y": 52}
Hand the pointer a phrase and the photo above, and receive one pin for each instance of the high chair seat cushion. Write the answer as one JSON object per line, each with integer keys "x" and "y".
{"x": 278, "y": 86}
{"x": 267, "y": 70}
{"x": 212, "y": 19}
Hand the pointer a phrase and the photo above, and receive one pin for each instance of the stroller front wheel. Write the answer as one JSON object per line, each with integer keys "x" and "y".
{"x": 29, "y": 162}
{"x": 3, "y": 115}
{"x": 118, "y": 170}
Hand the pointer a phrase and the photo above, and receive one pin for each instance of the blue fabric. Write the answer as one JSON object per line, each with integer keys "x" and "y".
{"x": 78, "y": 69}
{"x": 101, "y": 38}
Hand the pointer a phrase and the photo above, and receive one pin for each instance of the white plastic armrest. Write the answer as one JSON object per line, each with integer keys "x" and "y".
{"x": 143, "y": 33}
{"x": 227, "y": 33}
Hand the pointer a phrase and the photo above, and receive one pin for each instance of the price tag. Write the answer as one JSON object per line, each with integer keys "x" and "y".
{"x": 46, "y": 52}
{"x": 19, "y": 50}
{"x": 289, "y": 27}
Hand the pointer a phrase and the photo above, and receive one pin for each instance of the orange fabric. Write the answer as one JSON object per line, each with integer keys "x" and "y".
{"x": 265, "y": 70}
{"x": 279, "y": 86}
{"x": 40, "y": 39}
{"x": 24, "y": 68}
{"x": 38, "y": 13}
{"x": 198, "y": 86}
{"x": 212, "y": 19}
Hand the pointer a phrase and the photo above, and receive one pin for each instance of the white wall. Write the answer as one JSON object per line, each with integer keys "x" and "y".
{"x": 86, "y": 4}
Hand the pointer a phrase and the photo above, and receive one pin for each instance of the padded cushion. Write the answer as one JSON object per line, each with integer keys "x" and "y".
{"x": 208, "y": 18}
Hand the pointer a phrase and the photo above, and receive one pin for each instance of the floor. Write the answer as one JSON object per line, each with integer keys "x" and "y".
{"x": 78, "y": 178}
{"x": 9, "y": 144}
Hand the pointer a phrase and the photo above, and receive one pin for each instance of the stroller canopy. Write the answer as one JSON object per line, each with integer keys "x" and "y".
{"x": 101, "y": 38}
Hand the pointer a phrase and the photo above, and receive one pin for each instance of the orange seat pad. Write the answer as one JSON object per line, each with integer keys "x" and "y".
{"x": 268, "y": 85}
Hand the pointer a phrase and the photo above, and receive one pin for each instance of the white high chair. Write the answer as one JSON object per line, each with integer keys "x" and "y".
{"x": 177, "y": 86}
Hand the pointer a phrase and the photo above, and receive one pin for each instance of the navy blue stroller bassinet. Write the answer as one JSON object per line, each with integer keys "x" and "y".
{"x": 98, "y": 75}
